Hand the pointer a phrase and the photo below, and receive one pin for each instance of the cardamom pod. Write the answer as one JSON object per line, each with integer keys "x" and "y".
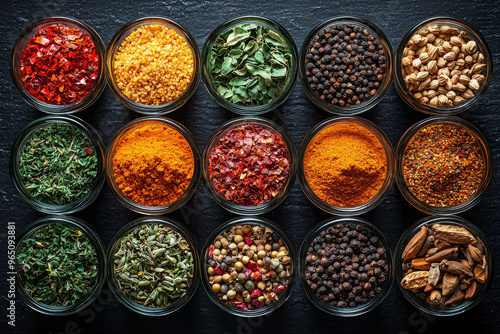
{"x": 413, "y": 247}
{"x": 455, "y": 267}
{"x": 452, "y": 234}
{"x": 457, "y": 297}
{"x": 450, "y": 282}
{"x": 435, "y": 297}
{"x": 415, "y": 280}
{"x": 475, "y": 254}
{"x": 450, "y": 253}
{"x": 434, "y": 274}
{"x": 480, "y": 274}
{"x": 420, "y": 264}
{"x": 471, "y": 290}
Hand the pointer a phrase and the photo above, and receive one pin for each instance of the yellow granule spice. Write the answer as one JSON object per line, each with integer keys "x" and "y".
{"x": 154, "y": 65}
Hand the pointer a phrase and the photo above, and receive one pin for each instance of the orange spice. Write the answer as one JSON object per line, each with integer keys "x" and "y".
{"x": 153, "y": 164}
{"x": 345, "y": 165}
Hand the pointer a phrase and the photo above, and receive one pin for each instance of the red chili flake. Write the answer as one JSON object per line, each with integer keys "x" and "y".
{"x": 219, "y": 271}
{"x": 243, "y": 306}
{"x": 253, "y": 266}
{"x": 257, "y": 275}
{"x": 257, "y": 304}
{"x": 443, "y": 165}
{"x": 248, "y": 272}
{"x": 89, "y": 151}
{"x": 59, "y": 64}
{"x": 211, "y": 251}
{"x": 255, "y": 293}
{"x": 269, "y": 273}
{"x": 249, "y": 165}
{"x": 279, "y": 289}
{"x": 248, "y": 241}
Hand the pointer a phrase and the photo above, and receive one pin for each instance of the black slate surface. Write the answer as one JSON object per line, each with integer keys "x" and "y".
{"x": 202, "y": 115}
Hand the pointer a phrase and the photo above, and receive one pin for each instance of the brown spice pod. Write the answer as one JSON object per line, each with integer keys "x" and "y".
{"x": 413, "y": 247}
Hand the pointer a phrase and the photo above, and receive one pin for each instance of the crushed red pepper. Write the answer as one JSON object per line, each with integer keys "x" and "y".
{"x": 249, "y": 165}
{"x": 443, "y": 165}
{"x": 59, "y": 64}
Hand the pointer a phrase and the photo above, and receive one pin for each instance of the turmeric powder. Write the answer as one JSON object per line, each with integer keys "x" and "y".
{"x": 153, "y": 164}
{"x": 345, "y": 165}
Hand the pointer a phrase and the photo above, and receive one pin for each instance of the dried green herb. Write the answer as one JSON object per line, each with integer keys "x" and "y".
{"x": 58, "y": 265}
{"x": 250, "y": 65}
{"x": 154, "y": 266}
{"x": 58, "y": 164}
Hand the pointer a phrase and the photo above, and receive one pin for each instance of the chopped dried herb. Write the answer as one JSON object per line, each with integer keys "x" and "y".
{"x": 250, "y": 65}
{"x": 59, "y": 64}
{"x": 58, "y": 265}
{"x": 58, "y": 164}
{"x": 249, "y": 165}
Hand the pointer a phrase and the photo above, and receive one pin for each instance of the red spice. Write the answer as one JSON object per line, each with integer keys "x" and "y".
{"x": 442, "y": 165}
{"x": 249, "y": 165}
{"x": 59, "y": 64}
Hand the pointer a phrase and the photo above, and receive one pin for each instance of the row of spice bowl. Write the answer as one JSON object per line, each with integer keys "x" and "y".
{"x": 345, "y": 165}
{"x": 249, "y": 65}
{"x": 248, "y": 266}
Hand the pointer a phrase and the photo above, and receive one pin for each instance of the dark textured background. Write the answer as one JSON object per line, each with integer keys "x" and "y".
{"x": 202, "y": 115}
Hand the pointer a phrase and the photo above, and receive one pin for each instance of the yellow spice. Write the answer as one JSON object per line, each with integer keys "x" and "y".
{"x": 153, "y": 65}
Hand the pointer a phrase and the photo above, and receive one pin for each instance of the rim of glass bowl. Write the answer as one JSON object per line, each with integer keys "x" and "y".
{"x": 475, "y": 34}
{"x": 90, "y": 232}
{"x": 114, "y": 247}
{"x": 485, "y": 151}
{"x": 384, "y": 189}
{"x": 251, "y": 220}
{"x": 421, "y": 304}
{"x": 338, "y": 311}
{"x": 19, "y": 144}
{"x": 207, "y": 76}
{"x": 140, "y": 208}
{"x": 19, "y": 46}
{"x": 216, "y": 136}
{"x": 116, "y": 42}
{"x": 381, "y": 91}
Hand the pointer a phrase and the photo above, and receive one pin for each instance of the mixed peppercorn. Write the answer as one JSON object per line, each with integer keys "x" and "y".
{"x": 248, "y": 266}
{"x": 345, "y": 64}
{"x": 249, "y": 165}
{"x": 346, "y": 265}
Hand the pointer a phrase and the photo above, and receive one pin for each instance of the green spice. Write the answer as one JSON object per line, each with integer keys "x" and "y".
{"x": 250, "y": 64}
{"x": 58, "y": 265}
{"x": 154, "y": 266}
{"x": 58, "y": 164}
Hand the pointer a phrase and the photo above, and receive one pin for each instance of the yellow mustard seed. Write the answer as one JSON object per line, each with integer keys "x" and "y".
{"x": 154, "y": 65}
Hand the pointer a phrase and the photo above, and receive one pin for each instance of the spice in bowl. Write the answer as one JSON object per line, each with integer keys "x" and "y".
{"x": 345, "y": 64}
{"x": 59, "y": 64}
{"x": 153, "y": 164}
{"x": 346, "y": 265}
{"x": 443, "y": 165}
{"x": 248, "y": 266}
{"x": 249, "y": 165}
{"x": 58, "y": 265}
{"x": 444, "y": 264}
{"x": 442, "y": 66}
{"x": 154, "y": 65}
{"x": 345, "y": 164}
{"x": 58, "y": 164}
{"x": 250, "y": 64}
{"x": 154, "y": 265}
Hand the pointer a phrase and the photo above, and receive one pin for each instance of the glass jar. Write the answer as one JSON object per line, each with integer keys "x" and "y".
{"x": 386, "y": 185}
{"x": 92, "y": 235}
{"x": 347, "y": 311}
{"x": 212, "y": 142}
{"x": 485, "y": 154}
{"x": 482, "y": 46}
{"x": 227, "y": 226}
{"x": 207, "y": 75}
{"x": 382, "y": 89}
{"x": 422, "y": 304}
{"x": 15, "y": 156}
{"x": 126, "y": 201}
{"x": 114, "y": 46}
{"x": 15, "y": 61}
{"x": 115, "y": 247}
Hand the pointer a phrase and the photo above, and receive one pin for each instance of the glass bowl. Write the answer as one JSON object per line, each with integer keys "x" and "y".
{"x": 206, "y": 70}
{"x": 227, "y": 226}
{"x": 92, "y": 235}
{"x": 140, "y": 208}
{"x": 482, "y": 46}
{"x": 324, "y": 306}
{"x": 114, "y": 46}
{"x": 382, "y": 89}
{"x": 386, "y": 185}
{"x": 422, "y": 304}
{"x": 15, "y": 60}
{"x": 212, "y": 142}
{"x": 115, "y": 247}
{"x": 15, "y": 174}
{"x": 485, "y": 153}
